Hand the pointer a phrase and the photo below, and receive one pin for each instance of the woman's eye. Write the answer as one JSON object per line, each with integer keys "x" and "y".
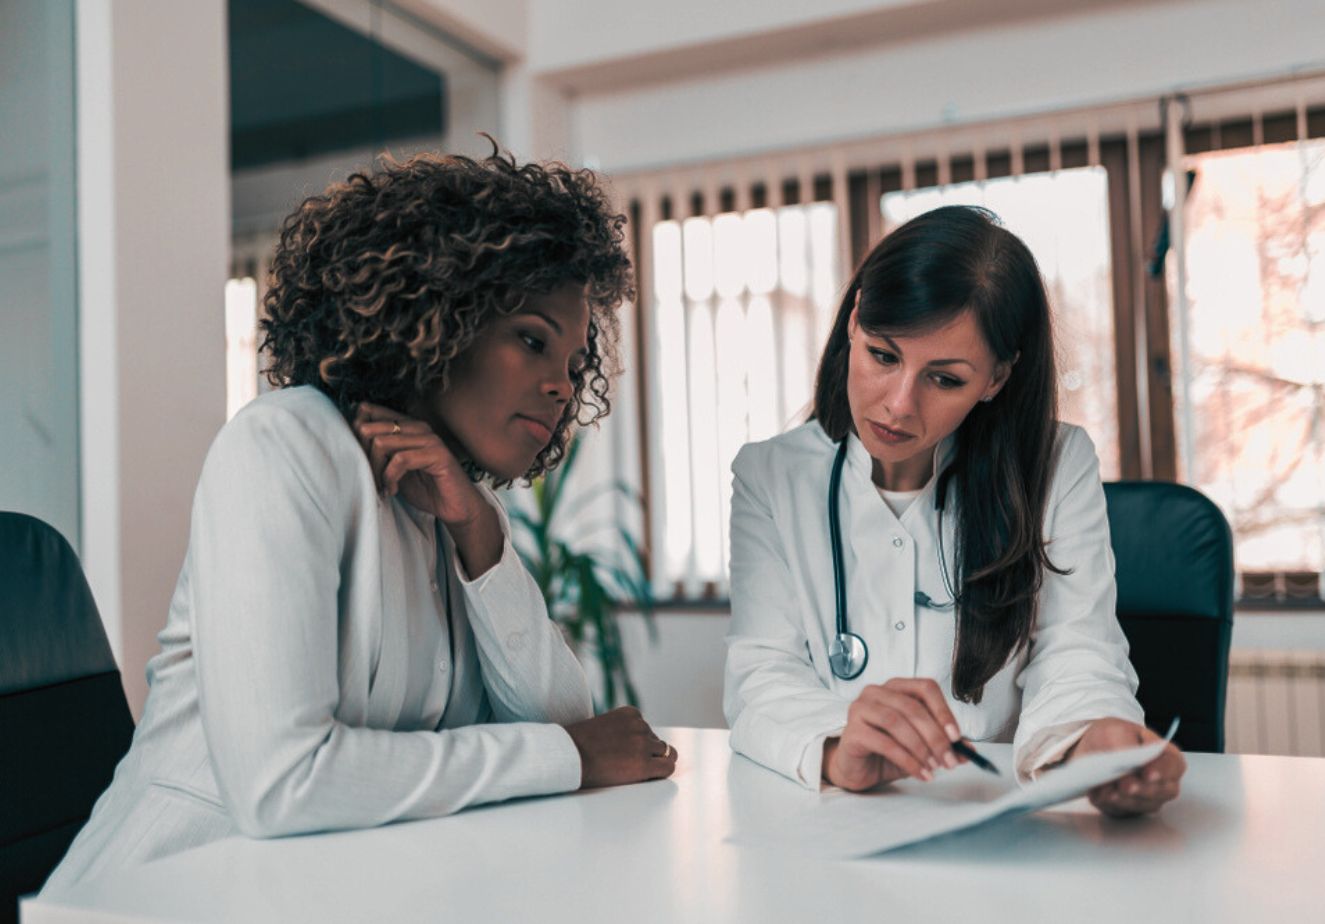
{"x": 947, "y": 381}
{"x": 884, "y": 357}
{"x": 533, "y": 342}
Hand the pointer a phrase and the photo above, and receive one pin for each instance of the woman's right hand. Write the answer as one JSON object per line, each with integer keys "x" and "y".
{"x": 897, "y": 729}
{"x": 620, "y": 747}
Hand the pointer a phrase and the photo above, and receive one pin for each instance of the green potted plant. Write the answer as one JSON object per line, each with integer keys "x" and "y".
{"x": 583, "y": 581}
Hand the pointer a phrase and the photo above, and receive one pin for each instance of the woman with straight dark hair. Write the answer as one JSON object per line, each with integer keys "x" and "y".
{"x": 965, "y": 533}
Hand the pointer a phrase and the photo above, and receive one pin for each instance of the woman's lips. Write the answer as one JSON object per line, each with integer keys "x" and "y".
{"x": 888, "y": 435}
{"x": 535, "y": 428}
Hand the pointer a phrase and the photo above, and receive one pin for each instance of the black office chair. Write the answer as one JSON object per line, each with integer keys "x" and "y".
{"x": 64, "y": 721}
{"x": 1174, "y": 554}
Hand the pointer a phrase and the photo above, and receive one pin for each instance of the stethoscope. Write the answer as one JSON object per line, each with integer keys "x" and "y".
{"x": 848, "y": 654}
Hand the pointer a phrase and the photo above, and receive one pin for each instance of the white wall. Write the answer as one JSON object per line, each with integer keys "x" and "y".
{"x": 630, "y": 87}
{"x": 1279, "y": 630}
{"x": 1030, "y": 66}
{"x": 499, "y": 28}
{"x": 154, "y": 224}
{"x": 678, "y": 676}
{"x": 569, "y": 34}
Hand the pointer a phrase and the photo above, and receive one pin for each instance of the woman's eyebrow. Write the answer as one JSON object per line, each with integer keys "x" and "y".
{"x": 892, "y": 345}
{"x": 552, "y": 323}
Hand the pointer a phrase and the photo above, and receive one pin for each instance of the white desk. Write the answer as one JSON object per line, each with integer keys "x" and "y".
{"x": 1246, "y": 842}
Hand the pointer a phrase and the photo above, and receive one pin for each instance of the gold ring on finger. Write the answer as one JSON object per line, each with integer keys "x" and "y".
{"x": 395, "y": 427}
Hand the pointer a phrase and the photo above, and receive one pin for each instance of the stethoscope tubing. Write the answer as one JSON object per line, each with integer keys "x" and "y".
{"x": 835, "y": 531}
{"x": 849, "y": 653}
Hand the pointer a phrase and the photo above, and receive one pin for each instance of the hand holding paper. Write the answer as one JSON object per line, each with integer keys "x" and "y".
{"x": 842, "y": 824}
{"x": 1144, "y": 789}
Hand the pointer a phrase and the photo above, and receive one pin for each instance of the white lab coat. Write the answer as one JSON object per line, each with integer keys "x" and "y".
{"x": 782, "y": 700}
{"x": 308, "y": 679}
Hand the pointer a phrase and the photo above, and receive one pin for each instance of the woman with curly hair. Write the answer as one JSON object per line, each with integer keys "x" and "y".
{"x": 353, "y": 640}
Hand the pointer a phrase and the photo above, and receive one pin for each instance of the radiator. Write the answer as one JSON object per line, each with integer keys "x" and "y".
{"x": 1276, "y": 703}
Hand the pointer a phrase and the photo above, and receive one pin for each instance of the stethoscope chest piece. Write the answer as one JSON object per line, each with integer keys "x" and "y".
{"x": 847, "y": 655}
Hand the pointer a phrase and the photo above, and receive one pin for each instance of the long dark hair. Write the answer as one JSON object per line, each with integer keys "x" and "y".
{"x": 918, "y": 278}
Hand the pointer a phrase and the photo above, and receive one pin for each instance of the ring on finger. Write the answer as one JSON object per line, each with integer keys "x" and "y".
{"x": 395, "y": 427}
{"x": 667, "y": 750}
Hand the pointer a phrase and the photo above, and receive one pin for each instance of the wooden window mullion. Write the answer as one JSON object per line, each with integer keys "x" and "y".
{"x": 1113, "y": 157}
{"x": 640, "y": 228}
{"x": 1159, "y": 366}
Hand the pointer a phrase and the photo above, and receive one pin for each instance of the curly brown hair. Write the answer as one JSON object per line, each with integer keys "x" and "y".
{"x": 378, "y": 284}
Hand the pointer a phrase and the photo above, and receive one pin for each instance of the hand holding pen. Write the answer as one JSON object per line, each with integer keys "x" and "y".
{"x": 902, "y": 728}
{"x": 971, "y": 754}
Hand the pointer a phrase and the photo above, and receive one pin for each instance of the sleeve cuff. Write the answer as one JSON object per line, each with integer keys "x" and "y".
{"x": 811, "y": 766}
{"x": 508, "y": 553}
{"x": 562, "y": 771}
{"x": 1050, "y": 747}
{"x": 478, "y": 583}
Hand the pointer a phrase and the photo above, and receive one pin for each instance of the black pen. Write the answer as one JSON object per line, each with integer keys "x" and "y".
{"x": 965, "y": 750}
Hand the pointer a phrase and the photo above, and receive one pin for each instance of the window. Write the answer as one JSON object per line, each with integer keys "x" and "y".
{"x": 1255, "y": 311}
{"x": 741, "y": 303}
{"x": 244, "y": 290}
{"x": 241, "y": 343}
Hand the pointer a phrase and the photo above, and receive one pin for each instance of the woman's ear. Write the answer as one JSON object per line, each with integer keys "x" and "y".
{"x": 1002, "y": 372}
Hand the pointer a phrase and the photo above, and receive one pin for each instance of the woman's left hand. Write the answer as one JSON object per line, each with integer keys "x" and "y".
{"x": 408, "y": 458}
{"x": 1144, "y": 789}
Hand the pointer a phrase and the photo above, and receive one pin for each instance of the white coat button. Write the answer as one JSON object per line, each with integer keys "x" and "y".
{"x": 433, "y": 585}
{"x": 900, "y": 626}
{"x": 442, "y": 666}
{"x": 897, "y": 541}
{"x": 515, "y": 641}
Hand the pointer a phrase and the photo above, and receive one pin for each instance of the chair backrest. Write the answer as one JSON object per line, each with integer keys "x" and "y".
{"x": 1174, "y": 555}
{"x": 64, "y": 720}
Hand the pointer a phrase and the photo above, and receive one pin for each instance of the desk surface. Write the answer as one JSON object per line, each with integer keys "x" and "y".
{"x": 1245, "y": 842}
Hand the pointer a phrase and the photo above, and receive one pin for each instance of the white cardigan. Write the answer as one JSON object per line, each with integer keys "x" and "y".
{"x": 305, "y": 680}
{"x": 781, "y": 698}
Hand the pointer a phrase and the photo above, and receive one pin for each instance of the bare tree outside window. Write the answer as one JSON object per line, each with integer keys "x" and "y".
{"x": 1255, "y": 255}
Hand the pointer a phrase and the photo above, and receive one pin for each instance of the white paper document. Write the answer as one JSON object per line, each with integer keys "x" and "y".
{"x": 843, "y": 825}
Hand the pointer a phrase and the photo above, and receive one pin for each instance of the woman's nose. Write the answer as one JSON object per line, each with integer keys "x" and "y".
{"x": 901, "y": 396}
{"x": 558, "y": 384}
